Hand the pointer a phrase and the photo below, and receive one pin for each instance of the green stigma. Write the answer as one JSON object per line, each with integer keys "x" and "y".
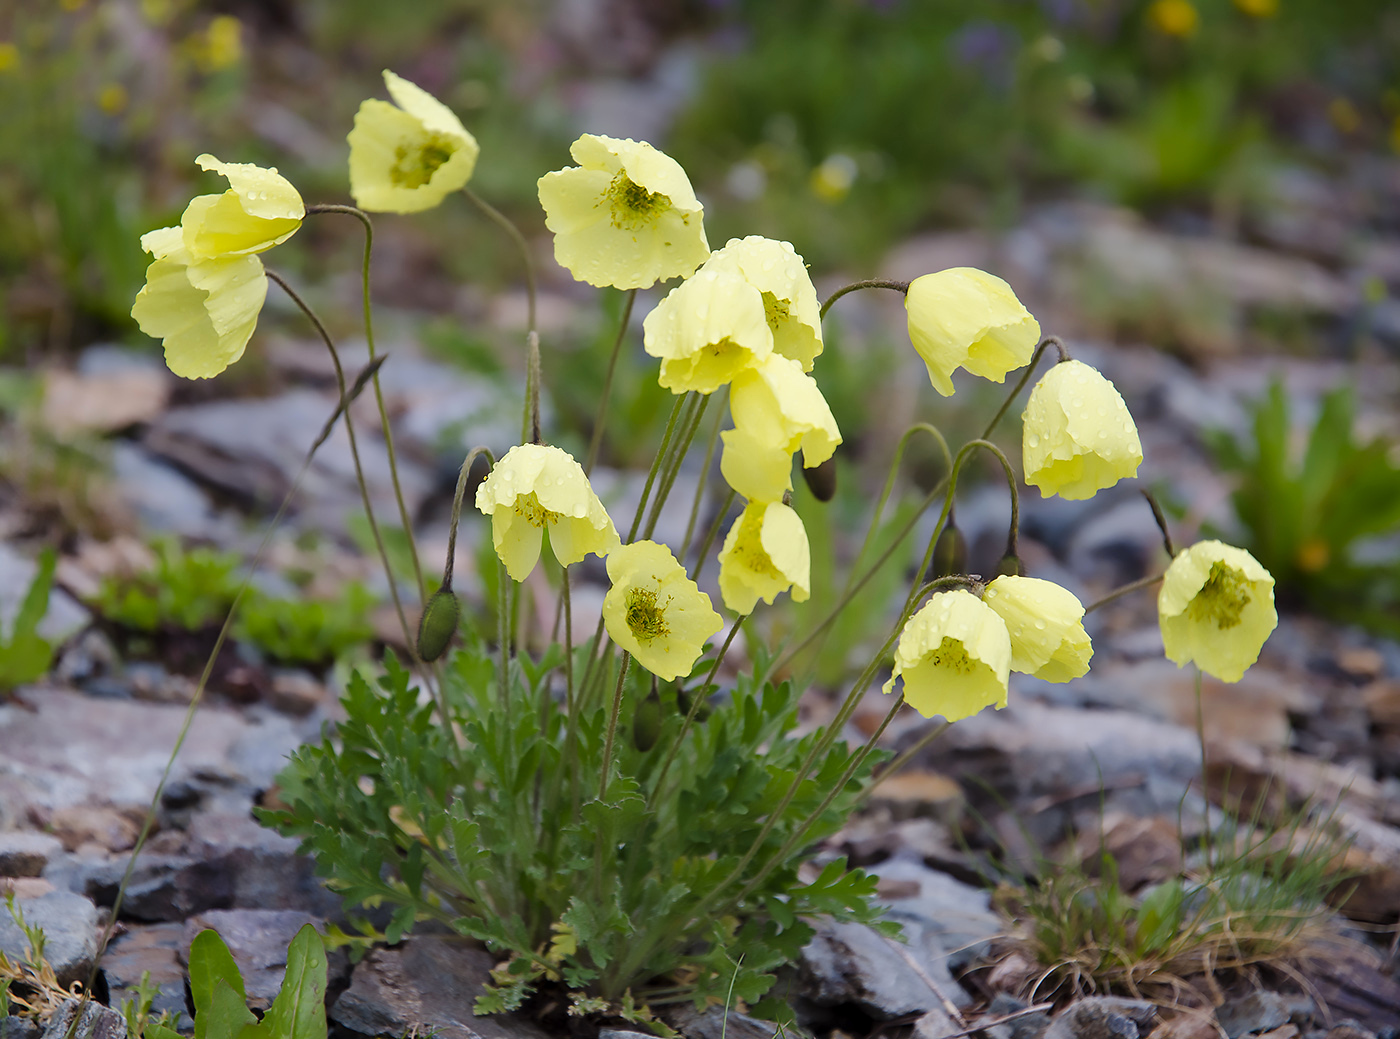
{"x": 414, "y": 166}
{"x": 528, "y": 508}
{"x": 644, "y": 617}
{"x": 633, "y": 206}
{"x": 952, "y": 654}
{"x": 1222, "y": 599}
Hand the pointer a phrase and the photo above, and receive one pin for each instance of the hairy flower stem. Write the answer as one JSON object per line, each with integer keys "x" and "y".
{"x": 1048, "y": 341}
{"x": 595, "y": 444}
{"x": 703, "y": 555}
{"x": 612, "y": 728}
{"x": 673, "y": 468}
{"x": 701, "y": 483}
{"x": 869, "y": 283}
{"x": 904, "y": 757}
{"x": 384, "y": 425}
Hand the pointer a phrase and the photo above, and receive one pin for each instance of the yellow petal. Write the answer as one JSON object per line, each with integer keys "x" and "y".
{"x": 765, "y": 553}
{"x": 966, "y": 318}
{"x": 431, "y": 113}
{"x": 1077, "y": 436}
{"x": 754, "y": 468}
{"x": 204, "y": 312}
{"x": 776, "y": 403}
{"x": 1216, "y": 609}
{"x": 517, "y": 539}
{"x": 708, "y": 329}
{"x": 789, "y": 300}
{"x": 1046, "y": 626}
{"x": 656, "y": 613}
{"x": 260, "y": 210}
{"x": 262, "y": 191}
{"x": 954, "y": 657}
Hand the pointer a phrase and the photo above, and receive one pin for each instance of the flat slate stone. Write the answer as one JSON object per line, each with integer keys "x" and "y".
{"x": 69, "y": 923}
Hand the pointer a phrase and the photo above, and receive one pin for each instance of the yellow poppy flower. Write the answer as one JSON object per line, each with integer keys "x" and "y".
{"x": 709, "y": 328}
{"x": 535, "y": 487}
{"x": 655, "y": 612}
{"x": 1046, "y": 625}
{"x": 966, "y": 318}
{"x": 1077, "y": 436}
{"x": 954, "y": 656}
{"x": 408, "y": 158}
{"x": 754, "y": 468}
{"x": 205, "y": 311}
{"x": 789, "y": 299}
{"x": 259, "y": 210}
{"x": 625, "y": 216}
{"x": 1177, "y": 18}
{"x": 765, "y": 553}
{"x": 1216, "y": 608}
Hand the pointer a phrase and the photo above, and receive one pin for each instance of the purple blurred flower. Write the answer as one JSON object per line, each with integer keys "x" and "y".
{"x": 987, "y": 48}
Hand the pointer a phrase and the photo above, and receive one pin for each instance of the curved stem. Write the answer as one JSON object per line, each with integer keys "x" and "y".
{"x": 1161, "y": 519}
{"x": 869, "y": 283}
{"x": 1118, "y": 593}
{"x": 463, "y": 475}
{"x": 508, "y": 226}
{"x": 1048, "y": 341}
{"x": 596, "y": 442}
{"x": 384, "y": 425}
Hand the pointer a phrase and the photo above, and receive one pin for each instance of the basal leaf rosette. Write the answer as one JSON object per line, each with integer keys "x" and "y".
{"x": 655, "y": 612}
{"x": 765, "y": 553}
{"x": 954, "y": 656}
{"x": 534, "y": 488}
{"x": 408, "y": 156}
{"x": 625, "y": 216}
{"x": 707, "y": 330}
{"x": 259, "y": 210}
{"x": 1216, "y": 609}
{"x": 1077, "y": 436}
{"x": 1046, "y": 625}
{"x": 778, "y": 410}
{"x": 790, "y": 301}
{"x": 204, "y": 311}
{"x": 966, "y": 318}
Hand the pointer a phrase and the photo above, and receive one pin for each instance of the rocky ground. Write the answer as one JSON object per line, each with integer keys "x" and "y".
{"x": 1115, "y": 753}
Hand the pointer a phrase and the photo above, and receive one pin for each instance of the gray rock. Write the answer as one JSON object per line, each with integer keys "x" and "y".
{"x": 714, "y": 1023}
{"x": 621, "y": 1033}
{"x": 18, "y": 1028}
{"x": 258, "y": 940}
{"x": 849, "y": 963}
{"x": 936, "y": 1024}
{"x": 95, "y": 1022}
{"x": 1104, "y": 1017}
{"x": 163, "y": 888}
{"x": 69, "y": 923}
{"x": 25, "y": 853}
{"x": 165, "y": 499}
{"x": 425, "y": 983}
{"x": 947, "y": 920}
{"x": 1028, "y": 1026}
{"x": 154, "y": 950}
{"x": 1256, "y": 1012}
{"x": 65, "y": 616}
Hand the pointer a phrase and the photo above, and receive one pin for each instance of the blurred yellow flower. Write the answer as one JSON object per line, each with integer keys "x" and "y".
{"x": 966, "y": 318}
{"x": 261, "y": 209}
{"x": 833, "y": 179}
{"x": 954, "y": 656}
{"x": 655, "y": 612}
{"x": 1258, "y": 8}
{"x": 9, "y": 56}
{"x": 113, "y": 99}
{"x": 709, "y": 328}
{"x": 1216, "y": 608}
{"x": 1174, "y": 17}
{"x": 625, "y": 216}
{"x": 535, "y": 487}
{"x": 408, "y": 158}
{"x": 789, "y": 300}
{"x": 778, "y": 410}
{"x": 765, "y": 553}
{"x": 1077, "y": 436}
{"x": 1046, "y": 625}
{"x": 220, "y": 46}
{"x": 204, "y": 310}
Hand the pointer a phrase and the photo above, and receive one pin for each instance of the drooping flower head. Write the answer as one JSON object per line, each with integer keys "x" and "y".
{"x": 966, "y": 318}
{"x": 954, "y": 656}
{"x": 205, "y": 311}
{"x": 789, "y": 300}
{"x": 535, "y": 488}
{"x": 625, "y": 216}
{"x": 655, "y": 612}
{"x": 408, "y": 158}
{"x": 1046, "y": 625}
{"x": 1077, "y": 436}
{"x": 1216, "y": 608}
{"x": 778, "y": 410}
{"x": 709, "y": 328}
{"x": 259, "y": 210}
{"x": 765, "y": 553}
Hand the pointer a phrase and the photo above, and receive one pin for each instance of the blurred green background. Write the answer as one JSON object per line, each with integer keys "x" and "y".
{"x": 842, "y": 125}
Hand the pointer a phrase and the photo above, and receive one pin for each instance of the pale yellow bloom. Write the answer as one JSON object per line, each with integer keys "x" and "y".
{"x": 1258, "y": 8}
{"x": 204, "y": 310}
{"x": 954, "y": 656}
{"x": 408, "y": 158}
{"x": 1174, "y": 17}
{"x": 709, "y": 328}
{"x": 1077, "y": 436}
{"x": 966, "y": 318}
{"x": 765, "y": 553}
{"x": 655, "y": 612}
{"x": 535, "y": 487}
{"x": 259, "y": 210}
{"x": 754, "y": 468}
{"x": 789, "y": 300}
{"x": 625, "y": 216}
{"x": 1216, "y": 608}
{"x": 1046, "y": 625}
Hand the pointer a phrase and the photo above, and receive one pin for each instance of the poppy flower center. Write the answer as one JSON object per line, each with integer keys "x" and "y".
{"x": 646, "y": 619}
{"x": 952, "y": 654}
{"x": 1222, "y": 599}
{"x": 414, "y": 165}
{"x": 633, "y": 206}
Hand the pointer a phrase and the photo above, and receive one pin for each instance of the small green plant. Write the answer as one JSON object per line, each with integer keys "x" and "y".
{"x": 28, "y": 986}
{"x": 141, "y": 1023}
{"x": 188, "y": 589}
{"x": 221, "y": 1003}
{"x": 1306, "y": 512}
{"x": 307, "y": 631}
{"x": 25, "y": 655}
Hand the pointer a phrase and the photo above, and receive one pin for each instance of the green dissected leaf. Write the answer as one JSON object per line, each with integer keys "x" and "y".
{"x": 210, "y": 964}
{"x": 299, "y": 1011}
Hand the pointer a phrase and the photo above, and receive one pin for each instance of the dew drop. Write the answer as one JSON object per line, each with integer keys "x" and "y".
{"x": 1039, "y": 625}
{"x": 1032, "y": 441}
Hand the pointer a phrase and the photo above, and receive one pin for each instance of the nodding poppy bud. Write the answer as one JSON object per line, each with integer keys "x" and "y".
{"x": 1011, "y": 566}
{"x": 438, "y": 624}
{"x": 685, "y": 699}
{"x": 950, "y": 552}
{"x": 821, "y": 480}
{"x": 646, "y": 723}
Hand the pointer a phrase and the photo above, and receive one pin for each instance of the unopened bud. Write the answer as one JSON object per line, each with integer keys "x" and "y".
{"x": 646, "y": 723}
{"x": 438, "y": 624}
{"x": 821, "y": 479}
{"x": 950, "y": 552}
{"x": 685, "y": 699}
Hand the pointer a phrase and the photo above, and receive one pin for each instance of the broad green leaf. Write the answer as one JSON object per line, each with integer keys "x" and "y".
{"x": 211, "y": 963}
{"x": 36, "y": 600}
{"x": 225, "y": 1015}
{"x": 299, "y": 1011}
